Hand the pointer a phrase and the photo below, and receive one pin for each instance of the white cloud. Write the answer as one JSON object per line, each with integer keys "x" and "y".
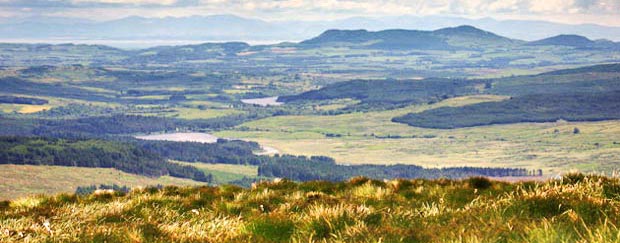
{"x": 129, "y": 2}
{"x": 550, "y": 6}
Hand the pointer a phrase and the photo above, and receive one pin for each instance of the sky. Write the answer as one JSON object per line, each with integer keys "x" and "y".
{"x": 603, "y": 12}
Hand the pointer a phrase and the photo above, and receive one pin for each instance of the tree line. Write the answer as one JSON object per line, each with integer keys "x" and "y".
{"x": 150, "y": 158}
{"x": 99, "y": 126}
{"x": 94, "y": 153}
{"x": 586, "y": 106}
{"x": 224, "y": 151}
{"x": 9, "y": 99}
{"x": 390, "y": 93}
{"x": 302, "y": 168}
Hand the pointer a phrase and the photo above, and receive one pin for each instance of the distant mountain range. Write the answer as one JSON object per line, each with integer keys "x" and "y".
{"x": 234, "y": 28}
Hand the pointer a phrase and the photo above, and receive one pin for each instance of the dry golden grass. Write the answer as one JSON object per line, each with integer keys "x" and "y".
{"x": 577, "y": 208}
{"x": 24, "y": 109}
{"x": 24, "y": 180}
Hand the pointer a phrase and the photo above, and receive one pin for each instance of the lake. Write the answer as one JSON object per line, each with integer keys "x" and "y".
{"x": 266, "y": 101}
{"x": 182, "y": 137}
{"x": 200, "y": 138}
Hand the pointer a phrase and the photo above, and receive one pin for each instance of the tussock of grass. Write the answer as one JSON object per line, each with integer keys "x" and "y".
{"x": 577, "y": 208}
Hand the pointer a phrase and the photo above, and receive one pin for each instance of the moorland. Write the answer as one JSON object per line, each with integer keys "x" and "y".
{"x": 449, "y": 103}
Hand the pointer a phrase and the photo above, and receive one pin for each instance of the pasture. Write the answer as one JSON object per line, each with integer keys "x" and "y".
{"x": 225, "y": 173}
{"x": 371, "y": 138}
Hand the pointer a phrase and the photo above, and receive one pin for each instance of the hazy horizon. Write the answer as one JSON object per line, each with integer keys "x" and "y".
{"x": 133, "y": 44}
{"x": 602, "y": 12}
{"x": 143, "y": 32}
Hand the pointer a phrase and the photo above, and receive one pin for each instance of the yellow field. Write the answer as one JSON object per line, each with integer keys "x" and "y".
{"x": 247, "y": 170}
{"x": 23, "y": 180}
{"x": 24, "y": 109}
{"x": 530, "y": 145}
{"x": 53, "y": 102}
{"x": 193, "y": 113}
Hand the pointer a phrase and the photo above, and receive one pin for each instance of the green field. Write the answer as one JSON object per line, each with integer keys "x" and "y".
{"x": 24, "y": 180}
{"x": 192, "y": 113}
{"x": 364, "y": 139}
{"x": 225, "y": 173}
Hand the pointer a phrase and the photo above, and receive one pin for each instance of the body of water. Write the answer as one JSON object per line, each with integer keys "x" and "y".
{"x": 198, "y": 137}
{"x": 266, "y": 101}
{"x": 182, "y": 137}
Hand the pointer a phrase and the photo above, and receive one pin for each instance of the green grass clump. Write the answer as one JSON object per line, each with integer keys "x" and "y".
{"x": 272, "y": 229}
{"x": 577, "y": 208}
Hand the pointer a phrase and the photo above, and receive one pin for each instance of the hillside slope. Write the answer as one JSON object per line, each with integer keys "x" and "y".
{"x": 530, "y": 108}
{"x": 575, "y": 209}
{"x": 395, "y": 39}
{"x": 576, "y": 41}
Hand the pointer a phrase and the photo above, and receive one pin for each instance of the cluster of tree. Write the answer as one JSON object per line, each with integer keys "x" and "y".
{"x": 116, "y": 124}
{"x": 132, "y": 82}
{"x": 224, "y": 151}
{"x": 22, "y": 100}
{"x": 137, "y": 92}
{"x": 605, "y": 68}
{"x": 75, "y": 110}
{"x": 87, "y": 190}
{"x": 550, "y": 83}
{"x": 95, "y": 153}
{"x": 14, "y": 85}
{"x": 594, "y": 106}
{"x": 167, "y": 54}
{"x": 99, "y": 126}
{"x": 150, "y": 158}
{"x": 324, "y": 168}
{"x": 390, "y": 93}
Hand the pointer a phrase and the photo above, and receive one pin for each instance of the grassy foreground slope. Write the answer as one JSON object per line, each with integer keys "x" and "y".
{"x": 574, "y": 209}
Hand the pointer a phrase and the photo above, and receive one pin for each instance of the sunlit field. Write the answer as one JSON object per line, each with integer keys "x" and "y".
{"x": 372, "y": 138}
{"x": 18, "y": 181}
